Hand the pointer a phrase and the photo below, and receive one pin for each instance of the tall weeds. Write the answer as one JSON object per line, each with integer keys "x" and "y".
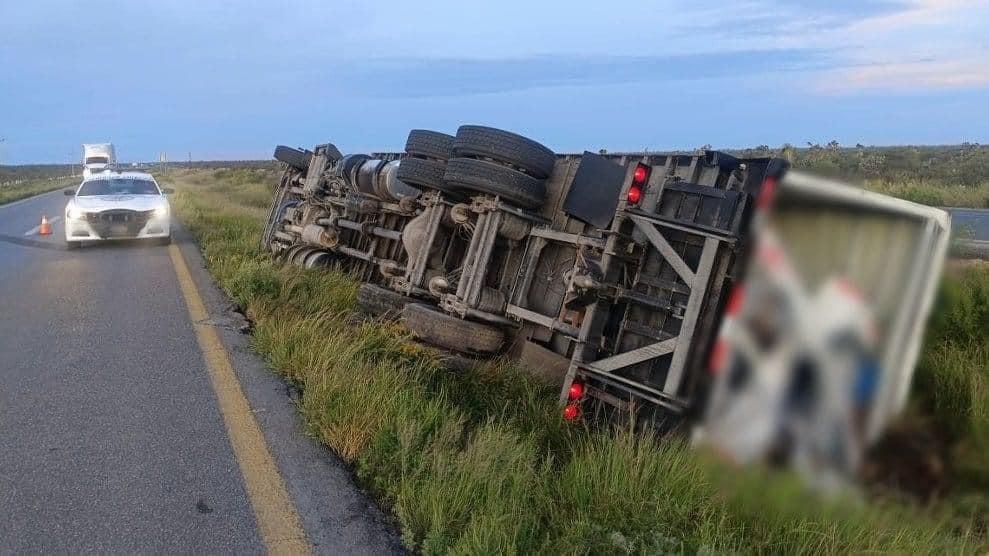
{"x": 480, "y": 462}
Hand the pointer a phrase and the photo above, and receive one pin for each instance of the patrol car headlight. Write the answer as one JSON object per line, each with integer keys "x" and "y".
{"x": 161, "y": 211}
{"x": 75, "y": 214}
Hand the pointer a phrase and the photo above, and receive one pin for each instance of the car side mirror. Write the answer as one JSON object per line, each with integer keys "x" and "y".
{"x": 167, "y": 190}
{"x": 69, "y": 192}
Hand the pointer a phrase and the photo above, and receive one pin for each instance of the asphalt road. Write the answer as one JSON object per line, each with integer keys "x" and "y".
{"x": 969, "y": 223}
{"x": 111, "y": 436}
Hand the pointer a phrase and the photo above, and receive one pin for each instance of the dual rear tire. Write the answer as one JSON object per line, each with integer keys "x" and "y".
{"x": 424, "y": 164}
{"x": 504, "y": 147}
{"x": 429, "y": 324}
{"x": 479, "y": 160}
{"x": 483, "y": 176}
{"x": 447, "y": 331}
{"x": 496, "y": 162}
{"x": 377, "y": 301}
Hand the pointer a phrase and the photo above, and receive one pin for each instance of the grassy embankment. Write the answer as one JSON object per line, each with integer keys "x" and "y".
{"x": 935, "y": 195}
{"x": 946, "y": 175}
{"x": 481, "y": 462}
{"x": 952, "y": 385}
{"x": 11, "y": 193}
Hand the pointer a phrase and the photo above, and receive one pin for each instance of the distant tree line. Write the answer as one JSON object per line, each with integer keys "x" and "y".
{"x": 962, "y": 165}
{"x": 30, "y": 172}
{"x": 965, "y": 165}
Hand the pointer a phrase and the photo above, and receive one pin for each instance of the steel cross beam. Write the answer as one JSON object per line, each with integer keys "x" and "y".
{"x": 629, "y": 358}
{"x": 665, "y": 249}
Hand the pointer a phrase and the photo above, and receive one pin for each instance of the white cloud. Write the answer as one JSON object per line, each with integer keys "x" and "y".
{"x": 930, "y": 45}
{"x": 919, "y": 14}
{"x": 908, "y": 76}
{"x": 919, "y": 45}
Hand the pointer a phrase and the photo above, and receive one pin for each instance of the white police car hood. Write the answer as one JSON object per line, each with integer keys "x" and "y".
{"x": 99, "y": 203}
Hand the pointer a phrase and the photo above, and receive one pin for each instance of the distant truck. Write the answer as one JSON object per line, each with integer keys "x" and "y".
{"x": 97, "y": 157}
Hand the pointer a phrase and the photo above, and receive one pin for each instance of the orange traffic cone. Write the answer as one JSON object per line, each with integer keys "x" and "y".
{"x": 46, "y": 227}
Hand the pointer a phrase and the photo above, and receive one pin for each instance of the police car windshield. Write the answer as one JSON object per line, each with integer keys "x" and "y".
{"x": 118, "y": 186}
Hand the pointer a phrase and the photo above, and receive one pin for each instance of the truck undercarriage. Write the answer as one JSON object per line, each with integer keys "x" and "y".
{"x": 609, "y": 268}
{"x": 606, "y": 274}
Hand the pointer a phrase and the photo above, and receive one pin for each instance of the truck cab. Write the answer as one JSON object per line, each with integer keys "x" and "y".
{"x": 97, "y": 157}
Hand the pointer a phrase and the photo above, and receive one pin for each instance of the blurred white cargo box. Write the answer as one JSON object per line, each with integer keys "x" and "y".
{"x": 821, "y": 335}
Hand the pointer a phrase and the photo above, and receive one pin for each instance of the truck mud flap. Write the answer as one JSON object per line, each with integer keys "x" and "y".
{"x": 593, "y": 194}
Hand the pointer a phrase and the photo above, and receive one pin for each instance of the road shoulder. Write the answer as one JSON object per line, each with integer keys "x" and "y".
{"x": 338, "y": 517}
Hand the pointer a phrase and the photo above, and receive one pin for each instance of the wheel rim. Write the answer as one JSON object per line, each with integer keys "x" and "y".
{"x": 288, "y": 255}
{"x": 318, "y": 259}
{"x": 299, "y": 258}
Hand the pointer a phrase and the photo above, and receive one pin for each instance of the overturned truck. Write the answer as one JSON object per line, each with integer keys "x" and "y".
{"x": 606, "y": 273}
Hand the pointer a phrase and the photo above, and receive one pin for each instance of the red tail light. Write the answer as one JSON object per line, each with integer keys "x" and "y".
{"x": 576, "y": 391}
{"x": 767, "y": 194}
{"x": 719, "y": 356}
{"x": 721, "y": 349}
{"x": 735, "y": 300}
{"x": 571, "y": 412}
{"x": 639, "y": 178}
{"x": 641, "y": 174}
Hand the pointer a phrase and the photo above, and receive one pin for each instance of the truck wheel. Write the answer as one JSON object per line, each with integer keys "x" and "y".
{"x": 494, "y": 179}
{"x": 504, "y": 146}
{"x": 299, "y": 257}
{"x": 447, "y": 331}
{"x": 276, "y": 203}
{"x": 377, "y": 301}
{"x": 424, "y": 173}
{"x": 319, "y": 259}
{"x": 429, "y": 144}
{"x": 295, "y": 158}
{"x": 288, "y": 255}
{"x": 275, "y": 216}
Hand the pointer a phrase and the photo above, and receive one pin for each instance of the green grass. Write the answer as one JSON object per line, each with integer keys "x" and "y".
{"x": 933, "y": 194}
{"x": 953, "y": 376}
{"x": 28, "y": 188}
{"x": 481, "y": 462}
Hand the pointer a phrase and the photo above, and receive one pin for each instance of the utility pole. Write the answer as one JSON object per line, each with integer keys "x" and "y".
{"x": 2, "y": 139}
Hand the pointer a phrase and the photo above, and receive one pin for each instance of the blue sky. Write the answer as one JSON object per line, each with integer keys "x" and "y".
{"x": 227, "y": 80}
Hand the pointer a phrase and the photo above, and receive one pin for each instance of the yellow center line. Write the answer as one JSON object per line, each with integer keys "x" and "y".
{"x": 278, "y": 520}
